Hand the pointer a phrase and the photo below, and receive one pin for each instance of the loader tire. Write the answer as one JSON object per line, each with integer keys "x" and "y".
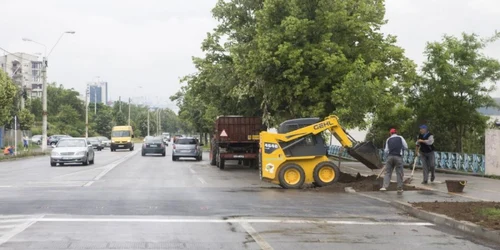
{"x": 325, "y": 173}
{"x": 291, "y": 176}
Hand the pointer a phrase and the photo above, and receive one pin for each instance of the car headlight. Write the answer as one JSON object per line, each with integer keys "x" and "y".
{"x": 81, "y": 153}
{"x": 54, "y": 154}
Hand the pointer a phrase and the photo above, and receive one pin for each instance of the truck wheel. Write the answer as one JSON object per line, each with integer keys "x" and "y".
{"x": 213, "y": 160}
{"x": 325, "y": 173}
{"x": 291, "y": 176}
{"x": 220, "y": 162}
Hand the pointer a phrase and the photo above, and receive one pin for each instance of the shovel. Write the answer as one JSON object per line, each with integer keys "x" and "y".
{"x": 381, "y": 171}
{"x": 409, "y": 180}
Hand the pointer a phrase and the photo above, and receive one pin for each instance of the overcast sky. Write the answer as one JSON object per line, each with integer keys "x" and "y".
{"x": 149, "y": 44}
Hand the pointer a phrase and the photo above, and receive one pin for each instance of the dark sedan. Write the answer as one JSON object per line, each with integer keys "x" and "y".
{"x": 153, "y": 145}
{"x": 96, "y": 143}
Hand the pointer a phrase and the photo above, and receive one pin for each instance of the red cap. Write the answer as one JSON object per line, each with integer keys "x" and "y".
{"x": 393, "y": 131}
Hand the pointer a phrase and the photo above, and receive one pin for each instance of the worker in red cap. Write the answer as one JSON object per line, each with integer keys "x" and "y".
{"x": 394, "y": 147}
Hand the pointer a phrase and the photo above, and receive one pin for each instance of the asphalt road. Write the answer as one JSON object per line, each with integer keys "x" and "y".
{"x": 126, "y": 201}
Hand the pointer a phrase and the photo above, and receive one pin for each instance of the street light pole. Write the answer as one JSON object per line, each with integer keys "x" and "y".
{"x": 44, "y": 86}
{"x": 95, "y": 96}
{"x": 87, "y": 92}
{"x": 129, "y": 111}
{"x": 44, "y": 104}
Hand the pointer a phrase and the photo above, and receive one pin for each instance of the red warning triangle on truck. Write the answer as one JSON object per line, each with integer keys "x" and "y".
{"x": 223, "y": 134}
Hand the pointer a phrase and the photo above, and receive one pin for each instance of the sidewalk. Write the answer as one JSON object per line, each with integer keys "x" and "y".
{"x": 21, "y": 152}
{"x": 476, "y": 189}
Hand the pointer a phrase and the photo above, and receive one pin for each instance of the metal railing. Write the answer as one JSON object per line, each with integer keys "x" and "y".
{"x": 470, "y": 163}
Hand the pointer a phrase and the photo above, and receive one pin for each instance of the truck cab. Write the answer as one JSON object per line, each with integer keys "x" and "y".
{"x": 121, "y": 138}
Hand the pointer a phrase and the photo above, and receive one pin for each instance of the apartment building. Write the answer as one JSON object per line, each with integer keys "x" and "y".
{"x": 25, "y": 70}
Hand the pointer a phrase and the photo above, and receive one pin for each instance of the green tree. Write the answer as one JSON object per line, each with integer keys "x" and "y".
{"x": 26, "y": 119}
{"x": 7, "y": 97}
{"x": 36, "y": 108}
{"x": 103, "y": 121}
{"x": 456, "y": 81}
{"x": 326, "y": 57}
{"x": 290, "y": 59}
{"x": 120, "y": 119}
{"x": 68, "y": 121}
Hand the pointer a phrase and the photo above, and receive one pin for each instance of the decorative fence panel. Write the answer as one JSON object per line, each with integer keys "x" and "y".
{"x": 471, "y": 163}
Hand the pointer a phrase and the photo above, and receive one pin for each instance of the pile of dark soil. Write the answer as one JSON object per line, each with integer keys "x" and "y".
{"x": 485, "y": 214}
{"x": 362, "y": 184}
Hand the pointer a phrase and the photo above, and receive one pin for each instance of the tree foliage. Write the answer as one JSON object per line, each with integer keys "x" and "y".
{"x": 7, "y": 98}
{"x": 456, "y": 81}
{"x": 26, "y": 119}
{"x": 291, "y": 59}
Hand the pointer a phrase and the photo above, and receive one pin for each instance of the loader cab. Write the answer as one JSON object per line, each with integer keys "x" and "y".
{"x": 308, "y": 145}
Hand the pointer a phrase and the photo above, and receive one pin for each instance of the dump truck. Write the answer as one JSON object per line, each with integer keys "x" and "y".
{"x": 297, "y": 153}
{"x": 236, "y": 138}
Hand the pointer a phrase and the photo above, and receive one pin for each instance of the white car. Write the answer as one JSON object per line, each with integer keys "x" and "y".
{"x": 105, "y": 142}
{"x": 72, "y": 150}
{"x": 37, "y": 139}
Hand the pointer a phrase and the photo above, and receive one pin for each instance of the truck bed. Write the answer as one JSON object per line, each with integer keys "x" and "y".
{"x": 238, "y": 129}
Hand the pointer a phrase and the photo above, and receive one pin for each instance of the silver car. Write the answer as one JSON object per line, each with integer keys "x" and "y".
{"x": 37, "y": 139}
{"x": 72, "y": 150}
{"x": 187, "y": 147}
{"x": 105, "y": 142}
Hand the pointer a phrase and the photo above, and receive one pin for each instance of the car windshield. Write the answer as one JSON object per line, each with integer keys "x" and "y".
{"x": 120, "y": 133}
{"x": 93, "y": 140}
{"x": 103, "y": 139}
{"x": 153, "y": 140}
{"x": 37, "y": 136}
{"x": 71, "y": 143}
{"x": 186, "y": 141}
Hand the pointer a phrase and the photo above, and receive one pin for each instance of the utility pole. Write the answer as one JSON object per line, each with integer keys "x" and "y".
{"x": 95, "y": 94}
{"x": 44, "y": 104}
{"x": 15, "y": 135}
{"x": 87, "y": 92}
{"x": 95, "y": 102}
{"x": 129, "y": 111}
{"x": 159, "y": 121}
{"x": 120, "y": 102}
{"x": 44, "y": 85}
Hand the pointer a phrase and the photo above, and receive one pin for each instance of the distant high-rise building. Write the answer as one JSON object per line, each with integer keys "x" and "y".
{"x": 98, "y": 92}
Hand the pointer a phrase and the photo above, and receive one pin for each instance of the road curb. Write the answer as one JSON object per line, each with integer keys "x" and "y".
{"x": 439, "y": 219}
{"x": 17, "y": 158}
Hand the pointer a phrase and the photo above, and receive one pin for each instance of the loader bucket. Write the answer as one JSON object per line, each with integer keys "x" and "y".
{"x": 366, "y": 153}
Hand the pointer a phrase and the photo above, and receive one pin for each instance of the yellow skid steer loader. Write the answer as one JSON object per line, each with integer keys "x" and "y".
{"x": 297, "y": 153}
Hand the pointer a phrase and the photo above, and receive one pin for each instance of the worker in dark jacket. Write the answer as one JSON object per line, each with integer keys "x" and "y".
{"x": 394, "y": 148}
{"x": 425, "y": 143}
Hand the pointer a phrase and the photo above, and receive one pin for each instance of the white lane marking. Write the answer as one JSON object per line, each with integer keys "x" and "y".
{"x": 285, "y": 221}
{"x": 78, "y": 172}
{"x": 19, "y": 229}
{"x": 256, "y": 236}
{"x": 5, "y": 186}
{"x": 88, "y": 184}
{"x": 202, "y": 181}
{"x": 192, "y": 171}
{"x": 110, "y": 167}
